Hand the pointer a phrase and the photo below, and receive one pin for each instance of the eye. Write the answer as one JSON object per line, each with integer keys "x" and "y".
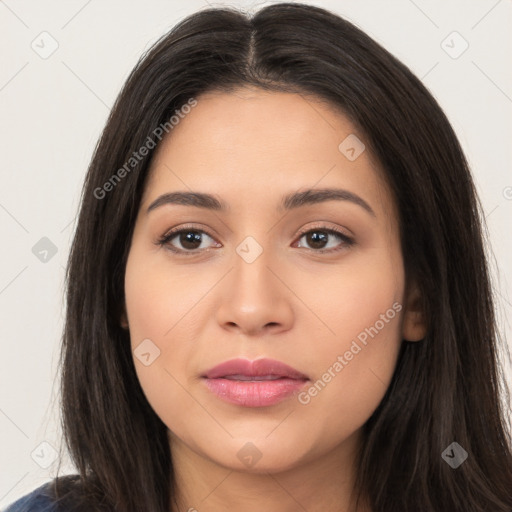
{"x": 318, "y": 239}
{"x": 189, "y": 238}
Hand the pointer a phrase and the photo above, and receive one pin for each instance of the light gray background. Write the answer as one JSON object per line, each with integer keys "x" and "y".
{"x": 53, "y": 109}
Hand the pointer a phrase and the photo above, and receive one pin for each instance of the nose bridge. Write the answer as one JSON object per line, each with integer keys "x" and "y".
{"x": 256, "y": 298}
{"x": 251, "y": 275}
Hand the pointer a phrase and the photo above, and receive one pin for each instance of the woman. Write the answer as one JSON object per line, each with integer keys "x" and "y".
{"x": 278, "y": 297}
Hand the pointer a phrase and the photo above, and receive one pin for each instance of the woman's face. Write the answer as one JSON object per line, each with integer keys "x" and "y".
{"x": 265, "y": 277}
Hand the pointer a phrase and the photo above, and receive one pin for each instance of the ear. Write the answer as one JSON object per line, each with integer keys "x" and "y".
{"x": 123, "y": 321}
{"x": 414, "y": 326}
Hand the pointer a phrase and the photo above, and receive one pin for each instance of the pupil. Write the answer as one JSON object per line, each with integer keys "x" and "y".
{"x": 190, "y": 237}
{"x": 316, "y": 237}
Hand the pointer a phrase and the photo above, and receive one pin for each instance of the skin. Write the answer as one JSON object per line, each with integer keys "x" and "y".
{"x": 249, "y": 148}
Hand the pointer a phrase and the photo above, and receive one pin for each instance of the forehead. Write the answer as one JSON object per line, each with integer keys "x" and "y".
{"x": 248, "y": 143}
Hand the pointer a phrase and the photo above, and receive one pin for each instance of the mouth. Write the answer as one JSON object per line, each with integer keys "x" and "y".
{"x": 259, "y": 369}
{"x": 258, "y": 383}
{"x": 253, "y": 378}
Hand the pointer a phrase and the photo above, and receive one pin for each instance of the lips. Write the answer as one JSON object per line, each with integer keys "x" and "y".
{"x": 257, "y": 370}
{"x": 258, "y": 383}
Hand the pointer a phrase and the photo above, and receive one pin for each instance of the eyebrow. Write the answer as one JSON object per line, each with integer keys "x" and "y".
{"x": 288, "y": 202}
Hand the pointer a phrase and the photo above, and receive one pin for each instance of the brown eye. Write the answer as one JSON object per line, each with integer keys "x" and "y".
{"x": 318, "y": 239}
{"x": 185, "y": 240}
{"x": 189, "y": 239}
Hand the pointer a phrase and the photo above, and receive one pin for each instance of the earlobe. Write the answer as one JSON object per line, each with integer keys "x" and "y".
{"x": 124, "y": 319}
{"x": 414, "y": 326}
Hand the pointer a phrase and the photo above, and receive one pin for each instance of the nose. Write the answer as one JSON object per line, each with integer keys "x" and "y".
{"x": 255, "y": 299}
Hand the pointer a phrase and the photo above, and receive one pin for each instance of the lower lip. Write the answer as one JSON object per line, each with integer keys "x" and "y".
{"x": 254, "y": 393}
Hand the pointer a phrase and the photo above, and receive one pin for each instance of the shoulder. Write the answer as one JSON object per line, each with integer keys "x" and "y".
{"x": 43, "y": 498}
{"x": 38, "y": 500}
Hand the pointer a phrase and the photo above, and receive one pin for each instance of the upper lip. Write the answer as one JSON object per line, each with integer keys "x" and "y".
{"x": 255, "y": 368}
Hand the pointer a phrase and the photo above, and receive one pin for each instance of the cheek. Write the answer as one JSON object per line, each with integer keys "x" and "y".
{"x": 157, "y": 305}
{"x": 352, "y": 297}
{"x": 355, "y": 357}
{"x": 165, "y": 307}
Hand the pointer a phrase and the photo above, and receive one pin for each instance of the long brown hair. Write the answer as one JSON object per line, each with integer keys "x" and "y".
{"x": 445, "y": 388}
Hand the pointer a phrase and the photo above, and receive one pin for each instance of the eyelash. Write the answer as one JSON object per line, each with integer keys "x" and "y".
{"x": 164, "y": 240}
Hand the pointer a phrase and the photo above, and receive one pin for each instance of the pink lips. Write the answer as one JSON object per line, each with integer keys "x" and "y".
{"x": 257, "y": 383}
